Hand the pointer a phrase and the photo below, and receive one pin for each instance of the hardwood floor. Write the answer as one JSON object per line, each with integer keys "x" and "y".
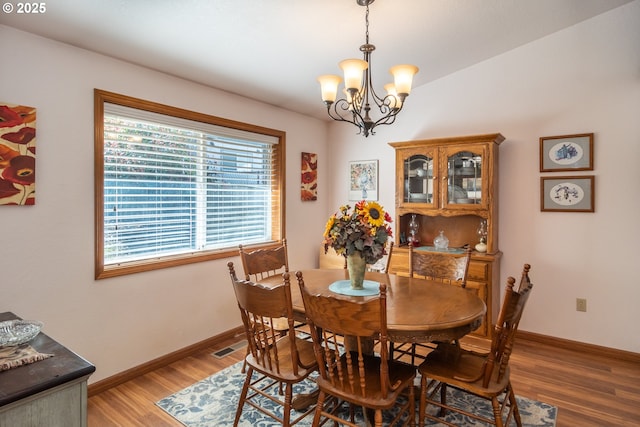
{"x": 589, "y": 389}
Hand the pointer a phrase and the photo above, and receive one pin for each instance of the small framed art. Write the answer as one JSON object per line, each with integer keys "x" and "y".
{"x": 17, "y": 154}
{"x": 309, "y": 177}
{"x": 566, "y": 153}
{"x": 567, "y": 194}
{"x": 363, "y": 180}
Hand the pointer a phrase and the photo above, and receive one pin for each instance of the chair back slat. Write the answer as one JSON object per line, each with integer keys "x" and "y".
{"x": 263, "y": 263}
{"x": 389, "y": 254}
{"x": 440, "y": 266}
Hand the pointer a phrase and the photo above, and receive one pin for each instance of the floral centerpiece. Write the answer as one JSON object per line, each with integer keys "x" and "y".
{"x": 360, "y": 234}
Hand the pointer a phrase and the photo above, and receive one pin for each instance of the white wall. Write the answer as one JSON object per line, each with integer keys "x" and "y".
{"x": 579, "y": 80}
{"x": 583, "y": 79}
{"x": 47, "y": 255}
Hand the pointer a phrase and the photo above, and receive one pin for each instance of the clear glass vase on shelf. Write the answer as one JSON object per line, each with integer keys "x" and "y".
{"x": 441, "y": 242}
{"x": 482, "y": 236}
{"x": 413, "y": 239}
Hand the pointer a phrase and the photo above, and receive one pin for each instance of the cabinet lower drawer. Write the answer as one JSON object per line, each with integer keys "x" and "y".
{"x": 478, "y": 271}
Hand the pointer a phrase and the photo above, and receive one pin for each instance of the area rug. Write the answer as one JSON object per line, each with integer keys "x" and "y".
{"x": 212, "y": 402}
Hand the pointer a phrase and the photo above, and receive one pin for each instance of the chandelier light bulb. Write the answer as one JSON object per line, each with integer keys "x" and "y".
{"x": 353, "y": 70}
{"x": 403, "y": 78}
{"x": 329, "y": 87}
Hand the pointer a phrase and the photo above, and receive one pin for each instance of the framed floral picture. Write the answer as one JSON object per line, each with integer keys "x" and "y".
{"x": 567, "y": 194}
{"x": 17, "y": 154}
{"x": 309, "y": 177}
{"x": 363, "y": 180}
{"x": 566, "y": 153}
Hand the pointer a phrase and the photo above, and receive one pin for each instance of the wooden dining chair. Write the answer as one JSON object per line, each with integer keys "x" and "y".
{"x": 353, "y": 375}
{"x": 261, "y": 264}
{"x": 484, "y": 375}
{"x": 444, "y": 267}
{"x": 275, "y": 359}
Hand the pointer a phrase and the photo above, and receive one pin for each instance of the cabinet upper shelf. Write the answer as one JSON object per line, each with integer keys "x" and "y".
{"x": 448, "y": 177}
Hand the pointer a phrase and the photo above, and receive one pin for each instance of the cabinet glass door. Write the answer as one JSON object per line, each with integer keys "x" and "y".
{"x": 464, "y": 170}
{"x": 418, "y": 179}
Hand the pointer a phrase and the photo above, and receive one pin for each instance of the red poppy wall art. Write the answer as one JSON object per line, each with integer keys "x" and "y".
{"x": 17, "y": 154}
{"x": 309, "y": 180}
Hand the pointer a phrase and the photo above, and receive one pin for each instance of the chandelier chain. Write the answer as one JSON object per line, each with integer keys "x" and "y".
{"x": 366, "y": 21}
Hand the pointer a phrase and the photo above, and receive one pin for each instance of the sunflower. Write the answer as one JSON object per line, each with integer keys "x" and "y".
{"x": 374, "y": 214}
{"x": 329, "y": 225}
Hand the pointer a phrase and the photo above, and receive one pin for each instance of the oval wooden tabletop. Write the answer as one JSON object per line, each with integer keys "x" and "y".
{"x": 418, "y": 310}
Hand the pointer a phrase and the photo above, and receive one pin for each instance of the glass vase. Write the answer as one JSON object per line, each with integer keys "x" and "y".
{"x": 482, "y": 235}
{"x": 413, "y": 231}
{"x": 357, "y": 267}
{"x": 441, "y": 242}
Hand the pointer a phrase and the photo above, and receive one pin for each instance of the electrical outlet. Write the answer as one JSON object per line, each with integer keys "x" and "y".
{"x": 581, "y": 304}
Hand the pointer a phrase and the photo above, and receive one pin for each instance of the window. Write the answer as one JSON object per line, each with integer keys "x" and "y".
{"x": 174, "y": 187}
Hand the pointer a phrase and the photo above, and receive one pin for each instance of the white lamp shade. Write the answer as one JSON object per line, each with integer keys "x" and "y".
{"x": 395, "y": 101}
{"x": 353, "y": 69}
{"x": 403, "y": 77}
{"x": 329, "y": 86}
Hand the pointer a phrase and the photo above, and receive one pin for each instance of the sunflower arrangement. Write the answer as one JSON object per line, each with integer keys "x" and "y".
{"x": 364, "y": 229}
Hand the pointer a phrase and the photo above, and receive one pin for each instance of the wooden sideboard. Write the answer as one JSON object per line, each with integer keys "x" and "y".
{"x": 47, "y": 393}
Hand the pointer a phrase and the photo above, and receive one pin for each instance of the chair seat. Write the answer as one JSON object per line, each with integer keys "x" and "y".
{"x": 284, "y": 370}
{"x": 462, "y": 368}
{"x": 399, "y": 374}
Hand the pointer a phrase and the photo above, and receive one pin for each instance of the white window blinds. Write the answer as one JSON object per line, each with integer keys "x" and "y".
{"x": 174, "y": 186}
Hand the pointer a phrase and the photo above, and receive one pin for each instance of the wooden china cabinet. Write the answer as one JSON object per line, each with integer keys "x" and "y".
{"x": 451, "y": 185}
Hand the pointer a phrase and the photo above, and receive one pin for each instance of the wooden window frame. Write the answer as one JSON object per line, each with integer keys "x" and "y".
{"x": 278, "y": 186}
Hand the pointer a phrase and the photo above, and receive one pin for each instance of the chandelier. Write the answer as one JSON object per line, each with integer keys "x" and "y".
{"x": 354, "y": 108}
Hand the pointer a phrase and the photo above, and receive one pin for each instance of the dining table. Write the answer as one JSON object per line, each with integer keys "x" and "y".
{"x": 418, "y": 309}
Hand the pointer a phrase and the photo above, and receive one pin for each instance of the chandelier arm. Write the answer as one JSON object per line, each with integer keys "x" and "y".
{"x": 391, "y": 114}
{"x": 334, "y": 112}
{"x": 388, "y": 118}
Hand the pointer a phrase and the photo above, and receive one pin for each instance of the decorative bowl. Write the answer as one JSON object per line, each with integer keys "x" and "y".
{"x": 466, "y": 201}
{"x": 16, "y": 332}
{"x": 468, "y": 171}
{"x": 419, "y": 196}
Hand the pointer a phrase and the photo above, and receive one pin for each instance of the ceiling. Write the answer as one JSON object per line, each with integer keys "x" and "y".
{"x": 273, "y": 50}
